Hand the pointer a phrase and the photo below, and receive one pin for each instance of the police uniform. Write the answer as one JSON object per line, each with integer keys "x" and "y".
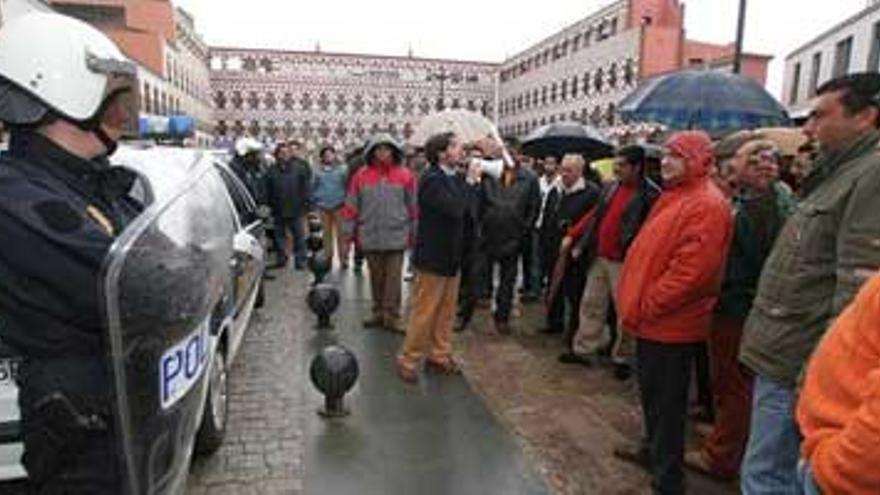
{"x": 59, "y": 215}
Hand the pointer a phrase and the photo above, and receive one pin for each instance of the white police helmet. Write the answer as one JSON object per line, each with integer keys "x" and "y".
{"x": 55, "y": 63}
{"x": 247, "y": 144}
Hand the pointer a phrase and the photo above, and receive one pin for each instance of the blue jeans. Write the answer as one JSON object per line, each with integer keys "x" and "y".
{"x": 773, "y": 451}
{"x": 297, "y": 230}
{"x": 806, "y": 480}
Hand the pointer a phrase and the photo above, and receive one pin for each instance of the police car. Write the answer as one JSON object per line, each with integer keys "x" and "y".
{"x": 212, "y": 347}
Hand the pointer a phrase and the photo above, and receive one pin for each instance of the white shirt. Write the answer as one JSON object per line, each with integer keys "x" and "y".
{"x": 546, "y": 185}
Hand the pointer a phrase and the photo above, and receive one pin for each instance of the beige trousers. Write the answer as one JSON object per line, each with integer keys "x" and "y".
{"x": 432, "y": 317}
{"x": 332, "y": 223}
{"x": 601, "y": 287}
{"x": 385, "y": 279}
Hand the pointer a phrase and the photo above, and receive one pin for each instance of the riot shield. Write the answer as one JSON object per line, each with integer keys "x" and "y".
{"x": 165, "y": 282}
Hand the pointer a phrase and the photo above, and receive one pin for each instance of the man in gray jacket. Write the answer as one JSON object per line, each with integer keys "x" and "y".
{"x": 379, "y": 215}
{"x": 826, "y": 250}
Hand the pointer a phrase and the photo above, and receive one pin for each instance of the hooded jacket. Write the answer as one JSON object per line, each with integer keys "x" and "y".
{"x": 671, "y": 276}
{"x": 839, "y": 407}
{"x": 380, "y": 210}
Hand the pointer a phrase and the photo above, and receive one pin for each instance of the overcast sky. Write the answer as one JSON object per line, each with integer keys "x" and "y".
{"x": 489, "y": 30}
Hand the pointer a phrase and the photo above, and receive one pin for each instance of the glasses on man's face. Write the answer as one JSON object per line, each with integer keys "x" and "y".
{"x": 762, "y": 156}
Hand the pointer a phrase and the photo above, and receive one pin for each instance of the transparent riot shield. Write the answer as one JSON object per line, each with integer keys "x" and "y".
{"x": 165, "y": 285}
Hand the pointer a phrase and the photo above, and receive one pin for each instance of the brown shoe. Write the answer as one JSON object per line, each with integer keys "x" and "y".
{"x": 406, "y": 374}
{"x": 635, "y": 453}
{"x": 447, "y": 367}
{"x": 696, "y": 461}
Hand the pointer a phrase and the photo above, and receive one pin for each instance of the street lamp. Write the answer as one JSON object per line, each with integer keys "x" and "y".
{"x": 441, "y": 76}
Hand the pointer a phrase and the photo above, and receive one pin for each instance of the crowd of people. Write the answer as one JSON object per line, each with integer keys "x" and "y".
{"x": 720, "y": 262}
{"x": 731, "y": 262}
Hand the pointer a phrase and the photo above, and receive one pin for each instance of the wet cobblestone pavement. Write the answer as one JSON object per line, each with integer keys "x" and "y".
{"x": 566, "y": 420}
{"x": 563, "y": 421}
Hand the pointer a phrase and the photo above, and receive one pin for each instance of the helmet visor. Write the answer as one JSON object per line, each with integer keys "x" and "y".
{"x": 121, "y": 103}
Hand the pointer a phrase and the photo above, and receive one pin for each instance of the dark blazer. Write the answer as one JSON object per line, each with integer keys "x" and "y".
{"x": 443, "y": 204}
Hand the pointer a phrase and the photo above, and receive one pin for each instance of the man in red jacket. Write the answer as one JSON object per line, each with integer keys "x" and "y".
{"x": 669, "y": 285}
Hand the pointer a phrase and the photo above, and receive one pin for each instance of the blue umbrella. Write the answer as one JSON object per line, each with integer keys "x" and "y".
{"x": 701, "y": 99}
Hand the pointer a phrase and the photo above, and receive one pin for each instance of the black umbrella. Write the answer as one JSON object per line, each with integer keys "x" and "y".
{"x": 567, "y": 137}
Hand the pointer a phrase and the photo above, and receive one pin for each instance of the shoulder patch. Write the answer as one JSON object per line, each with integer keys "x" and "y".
{"x": 59, "y": 216}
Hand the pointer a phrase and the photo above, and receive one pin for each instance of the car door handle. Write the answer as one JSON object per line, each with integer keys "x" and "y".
{"x": 235, "y": 265}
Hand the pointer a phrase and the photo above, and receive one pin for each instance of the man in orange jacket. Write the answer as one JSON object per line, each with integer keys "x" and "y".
{"x": 669, "y": 285}
{"x": 839, "y": 408}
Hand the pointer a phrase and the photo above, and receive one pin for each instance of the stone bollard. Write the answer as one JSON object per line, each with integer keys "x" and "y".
{"x": 334, "y": 372}
{"x": 323, "y": 300}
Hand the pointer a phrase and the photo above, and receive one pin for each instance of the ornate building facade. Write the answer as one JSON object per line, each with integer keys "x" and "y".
{"x": 339, "y": 99}
{"x": 583, "y": 71}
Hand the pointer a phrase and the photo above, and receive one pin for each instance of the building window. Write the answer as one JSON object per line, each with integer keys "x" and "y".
{"x": 613, "y": 27}
{"x": 564, "y": 90}
{"x": 574, "y": 87}
{"x": 598, "y": 80}
{"x": 270, "y": 101}
{"x": 795, "y": 83}
{"x": 629, "y": 73}
{"x": 874, "y": 53}
{"x": 544, "y": 95}
{"x": 576, "y": 45}
{"x": 814, "y": 74}
{"x": 553, "y": 90}
{"x": 586, "y": 83}
{"x": 148, "y": 107}
{"x": 842, "y": 53}
{"x": 612, "y": 76}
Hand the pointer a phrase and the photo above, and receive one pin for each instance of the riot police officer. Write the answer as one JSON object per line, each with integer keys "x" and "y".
{"x": 67, "y": 94}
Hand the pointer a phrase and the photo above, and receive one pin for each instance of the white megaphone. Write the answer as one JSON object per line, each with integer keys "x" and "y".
{"x": 493, "y": 168}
